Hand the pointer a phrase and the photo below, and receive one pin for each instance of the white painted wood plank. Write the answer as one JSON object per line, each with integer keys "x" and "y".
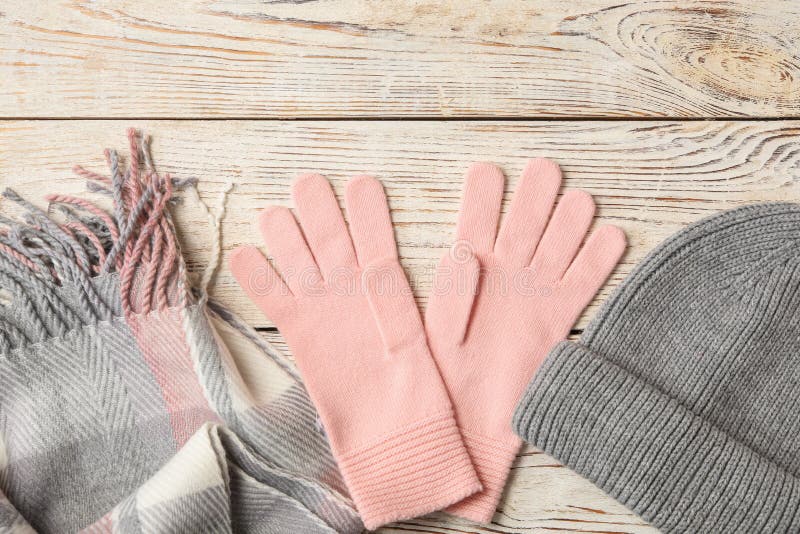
{"x": 346, "y": 58}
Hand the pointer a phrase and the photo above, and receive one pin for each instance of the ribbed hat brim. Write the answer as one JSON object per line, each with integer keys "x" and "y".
{"x": 650, "y": 453}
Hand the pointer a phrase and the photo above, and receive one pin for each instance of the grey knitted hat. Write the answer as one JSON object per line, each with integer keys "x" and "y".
{"x": 682, "y": 398}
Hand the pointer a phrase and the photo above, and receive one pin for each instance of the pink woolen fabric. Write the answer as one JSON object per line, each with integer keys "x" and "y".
{"x": 345, "y": 308}
{"x": 502, "y": 299}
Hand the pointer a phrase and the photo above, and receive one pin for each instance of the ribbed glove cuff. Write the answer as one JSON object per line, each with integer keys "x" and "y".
{"x": 492, "y": 460}
{"x": 420, "y": 470}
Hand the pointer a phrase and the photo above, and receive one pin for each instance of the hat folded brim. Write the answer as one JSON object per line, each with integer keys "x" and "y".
{"x": 673, "y": 468}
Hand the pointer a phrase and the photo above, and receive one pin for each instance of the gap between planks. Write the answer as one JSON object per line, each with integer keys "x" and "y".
{"x": 417, "y": 118}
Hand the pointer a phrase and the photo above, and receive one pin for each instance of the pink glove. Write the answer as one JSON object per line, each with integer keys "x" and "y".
{"x": 351, "y": 322}
{"x": 499, "y": 305}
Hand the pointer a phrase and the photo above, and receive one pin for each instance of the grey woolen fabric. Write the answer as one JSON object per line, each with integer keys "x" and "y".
{"x": 682, "y": 398}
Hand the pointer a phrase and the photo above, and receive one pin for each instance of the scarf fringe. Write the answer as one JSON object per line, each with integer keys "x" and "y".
{"x": 51, "y": 262}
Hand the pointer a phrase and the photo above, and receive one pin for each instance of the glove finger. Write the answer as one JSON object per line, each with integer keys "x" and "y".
{"x": 260, "y": 281}
{"x": 392, "y": 303}
{"x": 323, "y": 225}
{"x": 480, "y": 207}
{"x": 370, "y": 222}
{"x": 592, "y": 266}
{"x": 530, "y": 210}
{"x": 563, "y": 237}
{"x": 452, "y": 297}
{"x": 286, "y": 243}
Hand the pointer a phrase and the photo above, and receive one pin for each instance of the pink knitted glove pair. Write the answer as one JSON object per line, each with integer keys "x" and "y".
{"x": 498, "y": 305}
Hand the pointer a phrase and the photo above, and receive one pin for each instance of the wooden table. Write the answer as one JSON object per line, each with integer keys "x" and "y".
{"x": 665, "y": 111}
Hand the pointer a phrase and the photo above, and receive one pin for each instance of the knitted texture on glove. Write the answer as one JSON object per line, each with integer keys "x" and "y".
{"x": 502, "y": 299}
{"x": 682, "y": 398}
{"x": 343, "y": 304}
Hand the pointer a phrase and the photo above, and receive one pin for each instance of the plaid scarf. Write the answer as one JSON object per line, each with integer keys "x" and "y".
{"x": 129, "y": 402}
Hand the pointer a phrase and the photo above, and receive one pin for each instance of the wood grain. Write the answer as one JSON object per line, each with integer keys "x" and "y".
{"x": 650, "y": 178}
{"x": 410, "y": 58}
